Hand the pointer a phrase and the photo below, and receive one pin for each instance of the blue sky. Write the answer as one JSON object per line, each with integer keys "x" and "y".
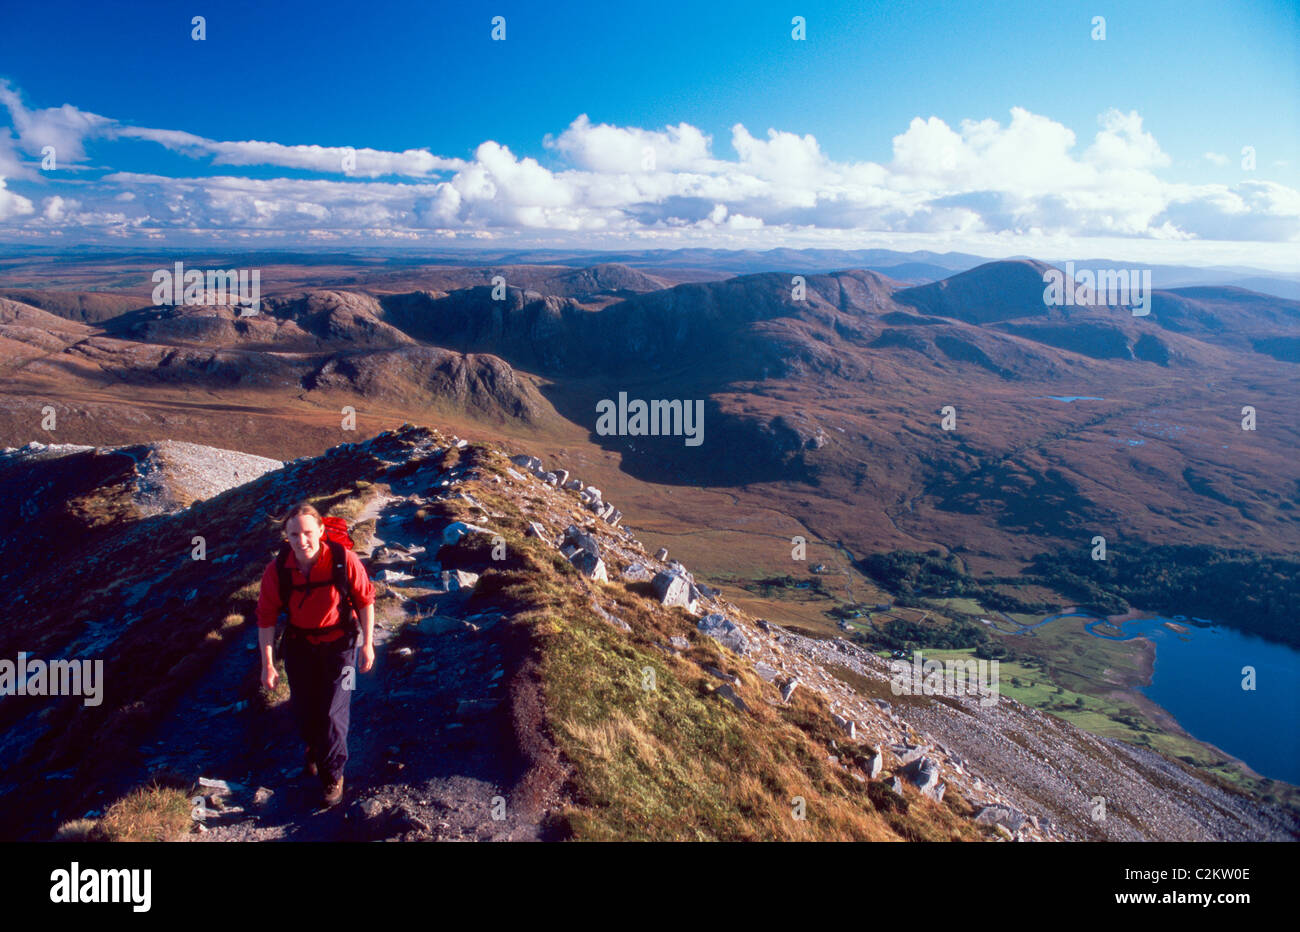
{"x": 1032, "y": 134}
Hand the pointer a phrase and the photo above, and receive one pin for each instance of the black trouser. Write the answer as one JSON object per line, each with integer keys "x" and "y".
{"x": 317, "y": 675}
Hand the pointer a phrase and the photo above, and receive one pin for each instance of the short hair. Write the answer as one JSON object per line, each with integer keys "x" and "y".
{"x": 302, "y": 508}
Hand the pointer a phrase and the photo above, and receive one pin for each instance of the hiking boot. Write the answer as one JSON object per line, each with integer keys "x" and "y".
{"x": 309, "y": 764}
{"x": 333, "y": 791}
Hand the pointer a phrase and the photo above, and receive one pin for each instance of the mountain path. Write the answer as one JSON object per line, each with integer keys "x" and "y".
{"x": 429, "y": 742}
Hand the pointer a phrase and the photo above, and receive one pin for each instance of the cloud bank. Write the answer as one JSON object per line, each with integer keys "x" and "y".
{"x": 1029, "y": 179}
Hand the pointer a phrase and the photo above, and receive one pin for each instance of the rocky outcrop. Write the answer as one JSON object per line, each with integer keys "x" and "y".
{"x": 726, "y": 632}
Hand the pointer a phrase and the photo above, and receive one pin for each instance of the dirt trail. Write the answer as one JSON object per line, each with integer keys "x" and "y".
{"x": 431, "y": 748}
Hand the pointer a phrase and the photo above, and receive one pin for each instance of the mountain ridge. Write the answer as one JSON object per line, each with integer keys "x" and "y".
{"x": 570, "y": 593}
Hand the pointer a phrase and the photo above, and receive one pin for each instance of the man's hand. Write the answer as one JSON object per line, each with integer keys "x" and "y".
{"x": 269, "y": 677}
{"x": 367, "y": 656}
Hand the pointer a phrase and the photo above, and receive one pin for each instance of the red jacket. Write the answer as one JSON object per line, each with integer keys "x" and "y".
{"x": 320, "y": 607}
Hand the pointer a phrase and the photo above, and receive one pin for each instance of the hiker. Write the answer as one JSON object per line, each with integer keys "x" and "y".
{"x": 320, "y": 584}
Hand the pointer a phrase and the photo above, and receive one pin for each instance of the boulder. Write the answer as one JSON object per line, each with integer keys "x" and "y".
{"x": 530, "y": 463}
{"x": 536, "y": 530}
{"x": 458, "y": 529}
{"x": 573, "y": 485}
{"x": 637, "y": 572}
{"x": 923, "y": 771}
{"x": 697, "y": 593}
{"x": 728, "y": 693}
{"x": 766, "y": 671}
{"x": 874, "y": 765}
{"x": 908, "y": 755}
{"x": 590, "y": 565}
{"x": 459, "y": 580}
{"x": 846, "y": 725}
{"x": 679, "y": 643}
{"x": 661, "y": 553}
{"x": 580, "y": 539}
{"x": 672, "y": 589}
{"x": 562, "y": 478}
{"x": 788, "y": 689}
{"x": 725, "y": 631}
{"x": 1004, "y": 815}
{"x": 394, "y": 553}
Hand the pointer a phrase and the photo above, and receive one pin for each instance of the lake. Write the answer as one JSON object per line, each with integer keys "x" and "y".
{"x": 1198, "y": 679}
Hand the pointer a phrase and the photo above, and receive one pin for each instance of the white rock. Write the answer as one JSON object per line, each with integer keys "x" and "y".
{"x": 725, "y": 631}
{"x": 458, "y": 529}
{"x": 637, "y": 572}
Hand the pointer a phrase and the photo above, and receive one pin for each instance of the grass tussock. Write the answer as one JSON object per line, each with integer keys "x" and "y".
{"x": 149, "y": 813}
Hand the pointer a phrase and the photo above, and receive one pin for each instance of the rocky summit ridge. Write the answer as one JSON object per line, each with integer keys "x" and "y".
{"x": 539, "y": 675}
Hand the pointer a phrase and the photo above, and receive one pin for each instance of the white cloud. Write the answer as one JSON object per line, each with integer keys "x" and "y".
{"x": 1025, "y": 178}
{"x": 11, "y": 163}
{"x": 13, "y": 205}
{"x": 1251, "y": 211}
{"x": 362, "y": 163}
{"x": 611, "y": 149}
{"x": 1123, "y": 144}
{"x": 65, "y": 128}
{"x": 57, "y": 209}
{"x": 1216, "y": 158}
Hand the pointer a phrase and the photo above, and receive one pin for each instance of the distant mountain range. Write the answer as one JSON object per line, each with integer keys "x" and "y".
{"x": 841, "y": 387}
{"x": 35, "y": 266}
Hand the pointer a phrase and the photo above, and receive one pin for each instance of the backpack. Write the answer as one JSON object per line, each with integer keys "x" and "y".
{"x": 339, "y": 542}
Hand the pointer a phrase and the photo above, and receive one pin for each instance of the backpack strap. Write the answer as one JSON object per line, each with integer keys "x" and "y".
{"x": 349, "y": 617}
{"x": 285, "y": 580}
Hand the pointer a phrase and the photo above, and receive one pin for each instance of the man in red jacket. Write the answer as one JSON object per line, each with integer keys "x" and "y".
{"x": 320, "y": 649}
